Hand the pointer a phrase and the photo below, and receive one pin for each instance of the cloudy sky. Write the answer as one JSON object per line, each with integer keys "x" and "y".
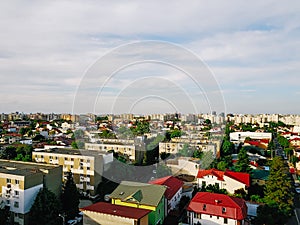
{"x": 78, "y": 56}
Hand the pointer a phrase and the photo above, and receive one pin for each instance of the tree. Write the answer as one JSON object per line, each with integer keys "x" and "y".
{"x": 9, "y": 153}
{"x": 268, "y": 215}
{"x": 278, "y": 191}
{"x": 198, "y": 154}
{"x": 70, "y": 197}
{"x": 242, "y": 165}
{"x": 176, "y": 133}
{"x": 78, "y": 134}
{"x": 284, "y": 142}
{"x": 294, "y": 159}
{"x": 164, "y": 155}
{"x": 4, "y": 214}
{"x": 213, "y": 189}
{"x": 227, "y": 148}
{"x": 223, "y": 165}
{"x": 45, "y": 208}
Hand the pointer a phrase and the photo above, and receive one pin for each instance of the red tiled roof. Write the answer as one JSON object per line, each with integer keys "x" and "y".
{"x": 117, "y": 210}
{"x": 173, "y": 185}
{"x": 294, "y": 139}
{"x": 218, "y": 173}
{"x": 241, "y": 177}
{"x": 13, "y": 135}
{"x": 236, "y": 208}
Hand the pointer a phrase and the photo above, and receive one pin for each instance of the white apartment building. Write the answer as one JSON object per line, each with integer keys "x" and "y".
{"x": 20, "y": 183}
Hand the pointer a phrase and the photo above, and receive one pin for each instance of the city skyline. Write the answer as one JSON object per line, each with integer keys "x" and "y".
{"x": 252, "y": 51}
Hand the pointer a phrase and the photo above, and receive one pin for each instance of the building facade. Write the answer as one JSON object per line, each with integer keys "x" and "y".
{"x": 20, "y": 183}
{"x": 86, "y": 166}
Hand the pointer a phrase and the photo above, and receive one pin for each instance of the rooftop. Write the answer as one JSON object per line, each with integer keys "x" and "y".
{"x": 117, "y": 210}
{"x": 173, "y": 185}
{"x": 141, "y": 193}
{"x": 218, "y": 205}
{"x": 23, "y": 168}
{"x": 73, "y": 151}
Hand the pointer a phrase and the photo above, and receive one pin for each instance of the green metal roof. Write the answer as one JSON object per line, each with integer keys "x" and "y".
{"x": 260, "y": 174}
{"x": 141, "y": 193}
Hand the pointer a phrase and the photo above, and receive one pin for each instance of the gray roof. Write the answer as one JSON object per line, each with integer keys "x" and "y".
{"x": 23, "y": 168}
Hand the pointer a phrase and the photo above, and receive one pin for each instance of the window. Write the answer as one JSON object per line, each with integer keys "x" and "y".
{"x": 72, "y": 159}
{"x": 66, "y": 158}
{"x": 71, "y": 167}
{"x": 225, "y": 221}
{"x": 223, "y": 210}
{"x": 88, "y": 168}
{"x": 8, "y": 180}
{"x": 197, "y": 215}
{"x": 204, "y": 207}
{"x": 210, "y": 216}
{"x": 217, "y": 217}
{"x": 42, "y": 156}
{"x": 203, "y": 183}
{"x": 17, "y": 193}
{"x": 16, "y": 204}
{"x": 17, "y": 182}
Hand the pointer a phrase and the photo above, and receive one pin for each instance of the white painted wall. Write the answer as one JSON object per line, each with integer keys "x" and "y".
{"x": 209, "y": 220}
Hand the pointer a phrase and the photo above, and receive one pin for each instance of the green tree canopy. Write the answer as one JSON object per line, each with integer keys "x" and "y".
{"x": 45, "y": 208}
{"x": 70, "y": 197}
{"x": 227, "y": 147}
{"x": 278, "y": 189}
{"x": 242, "y": 165}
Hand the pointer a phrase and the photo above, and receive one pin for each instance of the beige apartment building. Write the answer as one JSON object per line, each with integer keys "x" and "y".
{"x": 175, "y": 147}
{"x": 20, "y": 183}
{"x": 86, "y": 166}
{"x": 123, "y": 148}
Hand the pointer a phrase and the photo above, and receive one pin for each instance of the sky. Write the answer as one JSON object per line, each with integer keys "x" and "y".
{"x": 150, "y": 56}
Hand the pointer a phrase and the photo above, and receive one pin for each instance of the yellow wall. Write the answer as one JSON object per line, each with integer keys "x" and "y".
{"x": 119, "y": 202}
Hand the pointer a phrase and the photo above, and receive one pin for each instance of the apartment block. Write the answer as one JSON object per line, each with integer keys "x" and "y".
{"x": 20, "y": 183}
{"x": 125, "y": 149}
{"x": 87, "y": 166}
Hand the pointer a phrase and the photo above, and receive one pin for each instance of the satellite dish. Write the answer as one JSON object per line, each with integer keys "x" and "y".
{"x": 107, "y": 198}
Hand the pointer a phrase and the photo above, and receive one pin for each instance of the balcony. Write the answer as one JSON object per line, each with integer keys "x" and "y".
{"x": 89, "y": 187}
{"x": 80, "y": 186}
{"x": 69, "y": 163}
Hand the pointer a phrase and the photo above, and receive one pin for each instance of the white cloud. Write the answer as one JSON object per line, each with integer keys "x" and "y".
{"x": 46, "y": 46}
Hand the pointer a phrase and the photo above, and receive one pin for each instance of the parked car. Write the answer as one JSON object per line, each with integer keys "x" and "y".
{"x": 72, "y": 222}
{"x": 297, "y": 190}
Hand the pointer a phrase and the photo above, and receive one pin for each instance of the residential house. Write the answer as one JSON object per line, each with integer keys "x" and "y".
{"x": 110, "y": 214}
{"x": 20, "y": 183}
{"x": 210, "y": 208}
{"x": 173, "y": 193}
{"x": 143, "y": 196}
{"x": 228, "y": 180}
